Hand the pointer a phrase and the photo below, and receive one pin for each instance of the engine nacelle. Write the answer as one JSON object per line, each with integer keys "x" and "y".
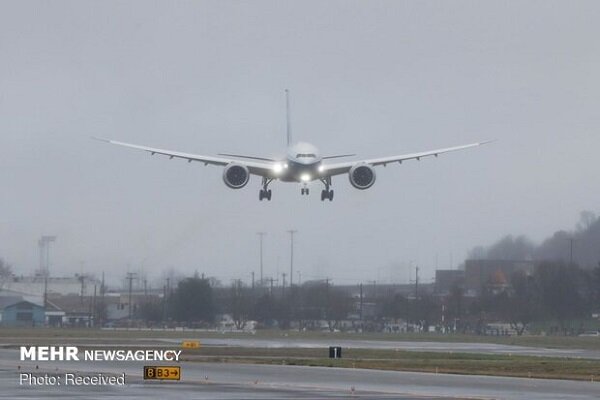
{"x": 362, "y": 176}
{"x": 236, "y": 176}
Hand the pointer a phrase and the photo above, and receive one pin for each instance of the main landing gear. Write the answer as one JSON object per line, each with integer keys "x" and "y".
{"x": 304, "y": 190}
{"x": 327, "y": 193}
{"x": 265, "y": 192}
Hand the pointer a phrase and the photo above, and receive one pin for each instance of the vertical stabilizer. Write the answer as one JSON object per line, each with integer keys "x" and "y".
{"x": 287, "y": 117}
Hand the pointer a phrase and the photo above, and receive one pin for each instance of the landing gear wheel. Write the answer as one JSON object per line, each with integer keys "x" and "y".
{"x": 265, "y": 193}
{"x": 326, "y": 194}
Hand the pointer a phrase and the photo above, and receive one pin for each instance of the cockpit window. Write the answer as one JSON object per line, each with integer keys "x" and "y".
{"x": 305, "y": 155}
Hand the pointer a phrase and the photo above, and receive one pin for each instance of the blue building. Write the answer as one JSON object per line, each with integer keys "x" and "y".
{"x": 16, "y": 311}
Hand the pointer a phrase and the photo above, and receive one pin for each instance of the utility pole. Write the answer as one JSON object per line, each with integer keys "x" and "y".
{"x": 44, "y": 244}
{"x": 102, "y": 291}
{"x": 94, "y": 308}
{"x": 45, "y": 291}
{"x": 252, "y": 281}
{"x": 327, "y": 312}
{"x": 283, "y": 287}
{"x": 292, "y": 232}
{"x": 417, "y": 283}
{"x": 261, "y": 235}
{"x": 361, "y": 301}
{"x": 130, "y": 277}
{"x": 82, "y": 280}
{"x": 417, "y": 296}
{"x": 374, "y": 288}
{"x": 164, "y": 302}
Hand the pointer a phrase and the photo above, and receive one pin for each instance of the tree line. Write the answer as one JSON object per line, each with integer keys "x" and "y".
{"x": 556, "y": 295}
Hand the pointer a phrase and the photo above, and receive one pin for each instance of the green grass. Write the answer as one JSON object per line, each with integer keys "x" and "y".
{"x": 451, "y": 363}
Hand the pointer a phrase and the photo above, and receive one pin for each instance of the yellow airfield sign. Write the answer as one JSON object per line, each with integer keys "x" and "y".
{"x": 162, "y": 373}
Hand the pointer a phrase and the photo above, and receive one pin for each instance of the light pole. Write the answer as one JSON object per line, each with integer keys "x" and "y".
{"x": 130, "y": 277}
{"x": 261, "y": 235}
{"x": 44, "y": 244}
{"x": 292, "y": 232}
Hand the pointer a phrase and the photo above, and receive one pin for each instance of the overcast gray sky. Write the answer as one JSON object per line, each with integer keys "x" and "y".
{"x": 374, "y": 77}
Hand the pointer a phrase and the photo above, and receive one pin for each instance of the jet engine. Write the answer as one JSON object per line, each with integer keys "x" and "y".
{"x": 236, "y": 176}
{"x": 362, "y": 176}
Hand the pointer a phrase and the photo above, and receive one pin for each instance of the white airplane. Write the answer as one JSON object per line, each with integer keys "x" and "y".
{"x": 303, "y": 164}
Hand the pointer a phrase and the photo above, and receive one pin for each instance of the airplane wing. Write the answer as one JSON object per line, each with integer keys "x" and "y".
{"x": 341, "y": 168}
{"x": 256, "y": 168}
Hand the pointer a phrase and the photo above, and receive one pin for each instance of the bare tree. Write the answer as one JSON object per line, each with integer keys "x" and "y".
{"x": 5, "y": 273}
{"x": 241, "y": 306}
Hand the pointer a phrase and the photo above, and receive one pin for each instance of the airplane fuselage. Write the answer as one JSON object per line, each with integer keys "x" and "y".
{"x": 302, "y": 164}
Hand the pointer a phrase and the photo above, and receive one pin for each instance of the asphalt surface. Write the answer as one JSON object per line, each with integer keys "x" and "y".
{"x": 245, "y": 381}
{"x": 446, "y": 347}
{"x": 284, "y": 342}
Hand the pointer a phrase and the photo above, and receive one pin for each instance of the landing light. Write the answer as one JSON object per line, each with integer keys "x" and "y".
{"x": 321, "y": 168}
{"x": 305, "y": 177}
{"x": 277, "y": 168}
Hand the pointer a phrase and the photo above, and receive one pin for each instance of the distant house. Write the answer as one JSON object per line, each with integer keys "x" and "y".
{"x": 55, "y": 317}
{"x": 76, "y": 311}
{"x": 16, "y": 311}
{"x": 88, "y": 311}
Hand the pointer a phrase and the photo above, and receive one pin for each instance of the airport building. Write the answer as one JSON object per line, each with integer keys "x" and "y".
{"x": 37, "y": 284}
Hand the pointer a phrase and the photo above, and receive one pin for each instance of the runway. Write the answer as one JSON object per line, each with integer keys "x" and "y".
{"x": 247, "y": 341}
{"x": 245, "y": 381}
{"x": 486, "y": 348}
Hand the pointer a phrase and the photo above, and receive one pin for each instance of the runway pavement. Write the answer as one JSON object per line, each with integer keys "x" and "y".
{"x": 487, "y": 348}
{"x": 245, "y": 381}
{"x": 247, "y": 341}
